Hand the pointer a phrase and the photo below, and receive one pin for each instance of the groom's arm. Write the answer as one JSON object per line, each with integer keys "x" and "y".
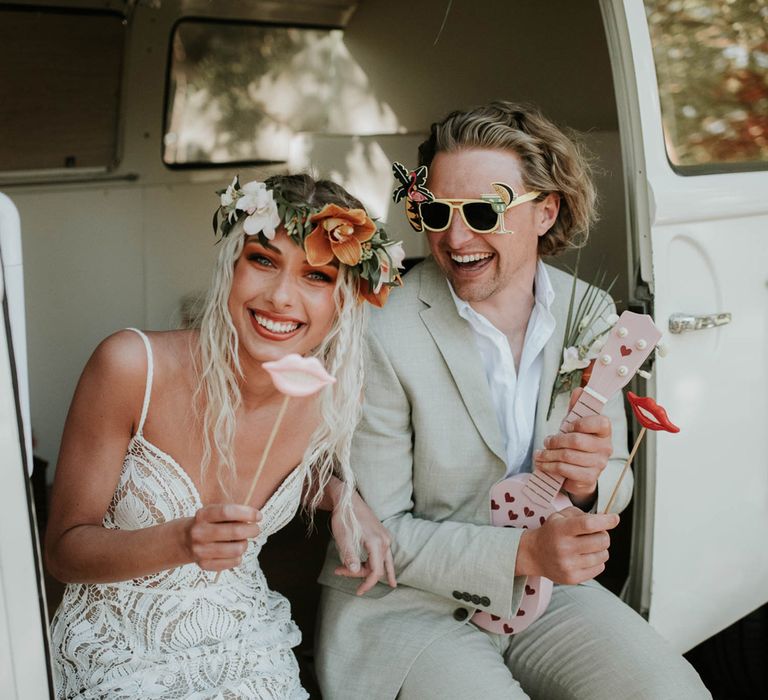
{"x": 445, "y": 557}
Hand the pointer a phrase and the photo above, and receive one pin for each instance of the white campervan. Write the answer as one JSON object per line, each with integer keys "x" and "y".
{"x": 120, "y": 118}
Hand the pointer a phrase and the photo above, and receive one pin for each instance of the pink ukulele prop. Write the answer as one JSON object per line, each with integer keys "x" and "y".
{"x": 292, "y": 375}
{"x": 527, "y": 500}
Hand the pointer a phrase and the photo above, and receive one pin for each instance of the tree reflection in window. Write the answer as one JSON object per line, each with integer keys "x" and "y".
{"x": 712, "y": 65}
{"x": 240, "y": 92}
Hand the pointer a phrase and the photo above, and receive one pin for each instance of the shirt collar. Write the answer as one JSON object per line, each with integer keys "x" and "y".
{"x": 543, "y": 294}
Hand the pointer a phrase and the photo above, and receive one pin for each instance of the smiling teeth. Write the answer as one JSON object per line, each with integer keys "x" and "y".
{"x": 274, "y": 326}
{"x": 470, "y": 258}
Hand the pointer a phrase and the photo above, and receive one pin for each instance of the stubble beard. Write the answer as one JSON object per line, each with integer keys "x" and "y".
{"x": 477, "y": 290}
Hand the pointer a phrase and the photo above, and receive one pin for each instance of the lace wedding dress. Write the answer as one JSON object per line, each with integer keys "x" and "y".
{"x": 177, "y": 634}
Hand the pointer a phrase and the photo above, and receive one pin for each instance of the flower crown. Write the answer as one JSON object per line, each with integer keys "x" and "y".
{"x": 331, "y": 233}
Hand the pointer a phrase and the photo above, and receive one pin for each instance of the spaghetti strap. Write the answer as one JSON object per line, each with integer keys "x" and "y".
{"x": 150, "y": 374}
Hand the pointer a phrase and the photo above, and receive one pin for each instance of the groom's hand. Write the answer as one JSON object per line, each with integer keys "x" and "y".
{"x": 570, "y": 547}
{"x": 579, "y": 455}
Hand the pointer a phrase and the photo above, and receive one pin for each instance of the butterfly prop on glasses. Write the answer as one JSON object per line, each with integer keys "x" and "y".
{"x": 427, "y": 213}
{"x": 412, "y": 186}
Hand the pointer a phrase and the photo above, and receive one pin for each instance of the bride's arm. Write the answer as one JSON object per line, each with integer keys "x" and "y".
{"x": 101, "y": 420}
{"x": 374, "y": 537}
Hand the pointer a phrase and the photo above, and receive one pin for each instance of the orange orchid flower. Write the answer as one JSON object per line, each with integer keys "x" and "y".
{"x": 376, "y": 298}
{"x": 338, "y": 233}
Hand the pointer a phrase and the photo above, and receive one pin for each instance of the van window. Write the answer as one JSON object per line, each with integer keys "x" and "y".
{"x": 61, "y": 74}
{"x": 239, "y": 92}
{"x": 712, "y": 66}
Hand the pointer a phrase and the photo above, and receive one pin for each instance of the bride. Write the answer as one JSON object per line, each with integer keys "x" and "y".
{"x": 162, "y": 441}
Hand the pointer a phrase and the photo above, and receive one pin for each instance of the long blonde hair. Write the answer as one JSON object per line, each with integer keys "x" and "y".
{"x": 218, "y": 395}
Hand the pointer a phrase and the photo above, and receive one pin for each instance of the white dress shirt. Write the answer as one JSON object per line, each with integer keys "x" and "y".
{"x": 514, "y": 392}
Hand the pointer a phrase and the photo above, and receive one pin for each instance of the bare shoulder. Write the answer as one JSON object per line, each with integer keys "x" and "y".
{"x": 110, "y": 390}
{"x": 116, "y": 373}
{"x": 121, "y": 362}
{"x": 120, "y": 357}
{"x": 123, "y": 354}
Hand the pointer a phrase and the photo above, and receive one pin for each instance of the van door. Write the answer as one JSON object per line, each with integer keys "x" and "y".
{"x": 692, "y": 98}
{"x": 24, "y": 670}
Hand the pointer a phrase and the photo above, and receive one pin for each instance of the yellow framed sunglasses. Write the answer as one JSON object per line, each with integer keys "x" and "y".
{"x": 485, "y": 215}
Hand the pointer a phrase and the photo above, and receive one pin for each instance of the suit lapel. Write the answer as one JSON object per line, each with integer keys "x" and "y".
{"x": 454, "y": 339}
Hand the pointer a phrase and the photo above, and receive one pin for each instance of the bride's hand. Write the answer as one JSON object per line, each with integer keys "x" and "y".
{"x": 376, "y": 540}
{"x": 217, "y": 537}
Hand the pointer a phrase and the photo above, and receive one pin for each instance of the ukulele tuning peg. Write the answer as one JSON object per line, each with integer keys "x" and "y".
{"x": 622, "y": 332}
{"x": 641, "y": 344}
{"x": 661, "y": 350}
{"x": 644, "y": 374}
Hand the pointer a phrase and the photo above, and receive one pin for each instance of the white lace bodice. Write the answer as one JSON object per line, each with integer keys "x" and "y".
{"x": 176, "y": 633}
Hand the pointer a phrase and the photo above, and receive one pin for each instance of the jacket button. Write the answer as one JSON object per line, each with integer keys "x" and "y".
{"x": 475, "y": 599}
{"x": 466, "y": 597}
{"x": 486, "y": 601}
{"x": 460, "y": 614}
{"x": 457, "y": 595}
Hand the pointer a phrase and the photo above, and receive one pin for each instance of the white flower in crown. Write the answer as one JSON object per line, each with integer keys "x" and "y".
{"x": 389, "y": 273}
{"x": 228, "y": 196}
{"x": 260, "y": 205}
{"x": 572, "y": 361}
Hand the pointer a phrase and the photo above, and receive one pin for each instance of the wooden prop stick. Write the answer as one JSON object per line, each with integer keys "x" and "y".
{"x": 263, "y": 460}
{"x": 292, "y": 376}
{"x": 267, "y": 448}
{"x": 624, "y": 471}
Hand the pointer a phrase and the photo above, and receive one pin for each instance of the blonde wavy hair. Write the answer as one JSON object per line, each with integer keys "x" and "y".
{"x": 219, "y": 374}
{"x": 553, "y": 160}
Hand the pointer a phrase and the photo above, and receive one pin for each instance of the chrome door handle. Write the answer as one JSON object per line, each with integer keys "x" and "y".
{"x": 680, "y": 323}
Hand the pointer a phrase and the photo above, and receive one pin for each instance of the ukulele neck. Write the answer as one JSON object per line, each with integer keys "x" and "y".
{"x": 541, "y": 487}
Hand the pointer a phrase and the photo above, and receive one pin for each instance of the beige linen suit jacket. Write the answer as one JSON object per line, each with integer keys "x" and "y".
{"x": 426, "y": 454}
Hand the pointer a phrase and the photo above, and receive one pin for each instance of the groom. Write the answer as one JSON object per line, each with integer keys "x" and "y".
{"x": 459, "y": 372}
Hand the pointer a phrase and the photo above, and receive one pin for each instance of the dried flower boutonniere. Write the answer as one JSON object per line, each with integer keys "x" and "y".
{"x": 585, "y": 332}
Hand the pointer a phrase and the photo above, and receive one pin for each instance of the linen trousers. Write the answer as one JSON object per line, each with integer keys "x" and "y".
{"x": 588, "y": 645}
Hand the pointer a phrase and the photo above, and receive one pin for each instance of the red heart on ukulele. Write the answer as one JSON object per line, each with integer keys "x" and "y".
{"x": 528, "y": 512}
{"x": 520, "y": 613}
{"x": 542, "y": 520}
{"x": 529, "y": 590}
{"x": 494, "y": 505}
{"x": 625, "y": 351}
{"x": 512, "y": 515}
{"x": 495, "y": 618}
{"x": 509, "y": 498}
{"x": 508, "y": 629}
